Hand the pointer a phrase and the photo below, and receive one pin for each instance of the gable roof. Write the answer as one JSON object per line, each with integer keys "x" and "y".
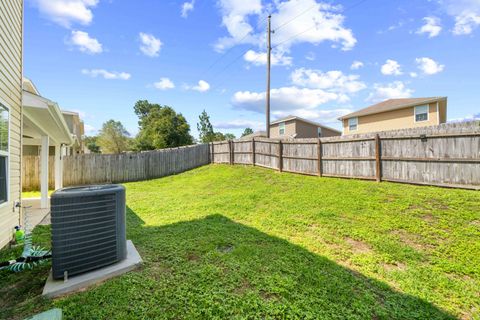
{"x": 254, "y": 135}
{"x": 292, "y": 117}
{"x": 391, "y": 104}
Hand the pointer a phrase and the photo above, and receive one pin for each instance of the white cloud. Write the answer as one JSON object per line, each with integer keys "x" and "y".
{"x": 429, "y": 66}
{"x": 326, "y": 18}
{"x": 413, "y": 74}
{"x": 322, "y": 22}
{"x": 67, "y": 12}
{"x": 106, "y": 74}
{"x": 394, "y": 90}
{"x": 239, "y": 124}
{"x": 432, "y": 27}
{"x": 285, "y": 98}
{"x": 466, "y": 22}
{"x": 235, "y": 17}
{"x": 164, "y": 84}
{"x": 150, "y": 45}
{"x": 85, "y": 43}
{"x": 202, "y": 86}
{"x": 466, "y": 14}
{"x": 187, "y": 7}
{"x": 260, "y": 58}
{"x": 356, "y": 65}
{"x": 334, "y": 80}
{"x": 395, "y": 26}
{"x": 391, "y": 67}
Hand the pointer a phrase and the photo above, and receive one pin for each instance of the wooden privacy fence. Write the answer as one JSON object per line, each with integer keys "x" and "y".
{"x": 31, "y": 172}
{"x": 447, "y": 155}
{"x": 116, "y": 168}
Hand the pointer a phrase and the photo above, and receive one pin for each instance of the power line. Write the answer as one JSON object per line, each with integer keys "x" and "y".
{"x": 295, "y": 17}
{"x": 288, "y": 39}
{"x": 314, "y": 26}
{"x": 248, "y": 33}
{"x": 228, "y": 51}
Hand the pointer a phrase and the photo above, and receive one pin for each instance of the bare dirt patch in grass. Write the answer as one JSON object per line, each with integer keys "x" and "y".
{"x": 397, "y": 266}
{"x": 412, "y": 240}
{"x": 193, "y": 257}
{"x": 475, "y": 223}
{"x": 268, "y": 295}
{"x": 244, "y": 287}
{"x": 429, "y": 218}
{"x": 358, "y": 246}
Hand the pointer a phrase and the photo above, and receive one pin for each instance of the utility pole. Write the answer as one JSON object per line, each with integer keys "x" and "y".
{"x": 269, "y": 51}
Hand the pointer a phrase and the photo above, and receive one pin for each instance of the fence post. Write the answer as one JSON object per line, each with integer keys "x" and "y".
{"x": 378, "y": 160}
{"x": 280, "y": 155}
{"x": 230, "y": 147}
{"x": 253, "y": 151}
{"x": 211, "y": 152}
{"x": 319, "y": 154}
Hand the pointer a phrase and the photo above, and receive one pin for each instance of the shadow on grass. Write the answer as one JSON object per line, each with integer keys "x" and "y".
{"x": 217, "y": 268}
{"x": 226, "y": 269}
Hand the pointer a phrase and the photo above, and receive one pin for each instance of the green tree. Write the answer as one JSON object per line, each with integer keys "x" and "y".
{"x": 247, "y": 131}
{"x": 113, "y": 137}
{"x": 229, "y": 136}
{"x": 91, "y": 144}
{"x": 160, "y": 127}
{"x": 205, "y": 128}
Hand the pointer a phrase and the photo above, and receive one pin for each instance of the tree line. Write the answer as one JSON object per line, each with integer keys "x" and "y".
{"x": 159, "y": 127}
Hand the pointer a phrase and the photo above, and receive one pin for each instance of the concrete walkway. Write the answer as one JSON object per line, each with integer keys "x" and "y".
{"x": 35, "y": 215}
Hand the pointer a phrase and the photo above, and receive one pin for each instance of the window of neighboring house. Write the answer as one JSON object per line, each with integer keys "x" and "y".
{"x": 4, "y": 119}
{"x": 319, "y": 131}
{"x": 352, "y": 124}
{"x": 421, "y": 113}
{"x": 281, "y": 128}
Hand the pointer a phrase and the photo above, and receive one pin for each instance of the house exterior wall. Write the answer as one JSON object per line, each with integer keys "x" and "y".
{"x": 290, "y": 129}
{"x": 329, "y": 133}
{"x": 306, "y": 130}
{"x": 11, "y": 60}
{"x": 398, "y": 119}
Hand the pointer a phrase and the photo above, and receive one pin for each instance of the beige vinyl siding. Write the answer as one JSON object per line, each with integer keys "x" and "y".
{"x": 396, "y": 119}
{"x": 290, "y": 129}
{"x": 11, "y": 17}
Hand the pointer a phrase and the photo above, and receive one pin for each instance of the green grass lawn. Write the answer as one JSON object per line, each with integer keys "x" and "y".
{"x": 222, "y": 242}
{"x": 33, "y": 194}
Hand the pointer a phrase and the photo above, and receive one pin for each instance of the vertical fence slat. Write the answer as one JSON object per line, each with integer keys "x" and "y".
{"x": 253, "y": 151}
{"x": 280, "y": 156}
{"x": 378, "y": 160}
{"x": 319, "y": 157}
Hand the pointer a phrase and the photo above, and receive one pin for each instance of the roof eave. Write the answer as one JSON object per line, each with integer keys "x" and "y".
{"x": 351, "y": 115}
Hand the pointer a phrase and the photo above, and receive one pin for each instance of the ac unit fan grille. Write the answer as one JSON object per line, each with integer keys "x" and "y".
{"x": 85, "y": 232}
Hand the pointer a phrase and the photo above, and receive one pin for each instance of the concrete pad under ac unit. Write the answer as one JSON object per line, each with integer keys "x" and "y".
{"x": 54, "y": 288}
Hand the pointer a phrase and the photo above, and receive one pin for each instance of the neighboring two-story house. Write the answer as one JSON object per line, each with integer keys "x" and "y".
{"x": 296, "y": 127}
{"x": 394, "y": 114}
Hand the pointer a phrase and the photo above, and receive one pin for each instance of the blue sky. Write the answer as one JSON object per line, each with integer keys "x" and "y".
{"x": 330, "y": 58}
